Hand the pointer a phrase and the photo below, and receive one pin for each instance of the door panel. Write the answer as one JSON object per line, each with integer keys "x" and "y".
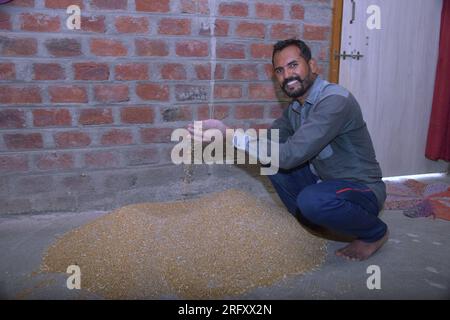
{"x": 394, "y": 80}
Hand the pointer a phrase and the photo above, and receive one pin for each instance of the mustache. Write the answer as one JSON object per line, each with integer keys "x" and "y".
{"x": 286, "y": 81}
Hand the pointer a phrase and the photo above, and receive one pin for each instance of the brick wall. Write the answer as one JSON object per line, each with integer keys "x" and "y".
{"x": 87, "y": 113}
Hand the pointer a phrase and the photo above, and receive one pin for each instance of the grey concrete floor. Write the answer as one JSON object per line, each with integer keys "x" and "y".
{"x": 414, "y": 263}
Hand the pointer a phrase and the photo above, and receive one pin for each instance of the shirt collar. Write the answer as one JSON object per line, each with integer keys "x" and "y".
{"x": 312, "y": 96}
{"x": 315, "y": 90}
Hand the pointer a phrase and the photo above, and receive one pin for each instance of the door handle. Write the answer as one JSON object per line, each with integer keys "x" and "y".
{"x": 353, "y": 11}
{"x": 346, "y": 55}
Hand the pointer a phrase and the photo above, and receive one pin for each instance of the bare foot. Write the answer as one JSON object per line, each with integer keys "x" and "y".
{"x": 360, "y": 250}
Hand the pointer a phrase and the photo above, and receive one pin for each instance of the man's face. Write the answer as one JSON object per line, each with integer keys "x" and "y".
{"x": 293, "y": 73}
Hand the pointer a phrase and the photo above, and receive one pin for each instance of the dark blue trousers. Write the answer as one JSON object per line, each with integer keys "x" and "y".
{"x": 344, "y": 207}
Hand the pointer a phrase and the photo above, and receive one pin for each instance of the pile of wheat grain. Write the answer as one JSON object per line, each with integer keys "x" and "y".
{"x": 221, "y": 245}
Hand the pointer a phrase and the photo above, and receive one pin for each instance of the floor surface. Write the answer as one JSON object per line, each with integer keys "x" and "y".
{"x": 414, "y": 263}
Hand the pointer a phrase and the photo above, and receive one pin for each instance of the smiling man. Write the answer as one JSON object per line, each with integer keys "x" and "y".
{"x": 328, "y": 173}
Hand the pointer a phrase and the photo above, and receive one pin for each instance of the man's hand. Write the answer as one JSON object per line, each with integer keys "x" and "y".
{"x": 206, "y": 125}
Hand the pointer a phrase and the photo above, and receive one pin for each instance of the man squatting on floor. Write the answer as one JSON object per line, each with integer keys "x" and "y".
{"x": 328, "y": 173}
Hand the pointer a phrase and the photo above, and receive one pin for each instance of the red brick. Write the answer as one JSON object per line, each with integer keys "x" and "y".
{"x": 39, "y": 22}
{"x": 131, "y": 71}
{"x": 111, "y": 93}
{"x": 173, "y": 71}
{"x": 145, "y": 47}
{"x": 297, "y": 12}
{"x": 251, "y": 30}
{"x": 186, "y": 92}
{"x": 219, "y": 112}
{"x": 249, "y": 112}
{"x": 141, "y": 156}
{"x": 101, "y": 159}
{"x": 18, "y": 46}
{"x": 48, "y": 71}
{"x": 95, "y": 116}
{"x": 170, "y": 26}
{"x": 276, "y": 111}
{"x": 11, "y": 118}
{"x": 227, "y": 91}
{"x": 269, "y": 11}
{"x": 91, "y": 71}
{"x": 230, "y": 51}
{"x": 137, "y": 115}
{"x": 219, "y": 72}
{"x": 188, "y": 6}
{"x": 23, "y": 141}
{"x": 203, "y": 71}
{"x": 106, "y": 47}
{"x": 156, "y": 135}
{"x": 117, "y": 137}
{"x": 63, "y": 47}
{"x": 262, "y": 91}
{"x": 51, "y": 117}
{"x": 268, "y": 71}
{"x": 127, "y": 24}
{"x": 71, "y": 139}
{"x": 259, "y": 126}
{"x": 54, "y": 161}
{"x": 109, "y": 4}
{"x": 204, "y": 113}
{"x": 20, "y": 94}
{"x": 153, "y": 6}
{"x": 192, "y": 48}
{"x": 177, "y": 114}
{"x": 150, "y": 91}
{"x": 21, "y": 3}
{"x": 285, "y": 31}
{"x": 195, "y": 6}
{"x": 261, "y": 51}
{"x": 235, "y": 9}
{"x": 60, "y": 94}
{"x": 62, "y": 4}
{"x": 221, "y": 28}
{"x": 243, "y": 72}
{"x": 7, "y": 71}
{"x": 311, "y": 32}
{"x": 11, "y": 163}
{"x": 5, "y": 21}
{"x": 93, "y": 24}
{"x": 323, "y": 54}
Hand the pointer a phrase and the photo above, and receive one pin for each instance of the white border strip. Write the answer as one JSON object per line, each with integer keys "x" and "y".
{"x": 416, "y": 177}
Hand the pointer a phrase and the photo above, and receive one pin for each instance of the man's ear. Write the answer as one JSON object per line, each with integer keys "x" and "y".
{"x": 313, "y": 66}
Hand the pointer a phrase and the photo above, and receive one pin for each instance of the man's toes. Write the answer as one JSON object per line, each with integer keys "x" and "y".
{"x": 347, "y": 255}
{"x": 342, "y": 251}
{"x": 351, "y": 255}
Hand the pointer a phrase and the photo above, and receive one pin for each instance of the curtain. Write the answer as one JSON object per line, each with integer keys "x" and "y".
{"x": 438, "y": 142}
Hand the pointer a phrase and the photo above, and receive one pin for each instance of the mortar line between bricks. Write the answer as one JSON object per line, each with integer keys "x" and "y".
{"x": 84, "y": 149}
{"x": 88, "y": 106}
{"x": 126, "y": 36}
{"x": 88, "y": 170}
{"x": 61, "y": 13}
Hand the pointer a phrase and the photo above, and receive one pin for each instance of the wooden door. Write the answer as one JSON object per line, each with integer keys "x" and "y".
{"x": 394, "y": 79}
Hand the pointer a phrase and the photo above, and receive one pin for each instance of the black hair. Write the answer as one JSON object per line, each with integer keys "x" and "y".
{"x": 304, "y": 49}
